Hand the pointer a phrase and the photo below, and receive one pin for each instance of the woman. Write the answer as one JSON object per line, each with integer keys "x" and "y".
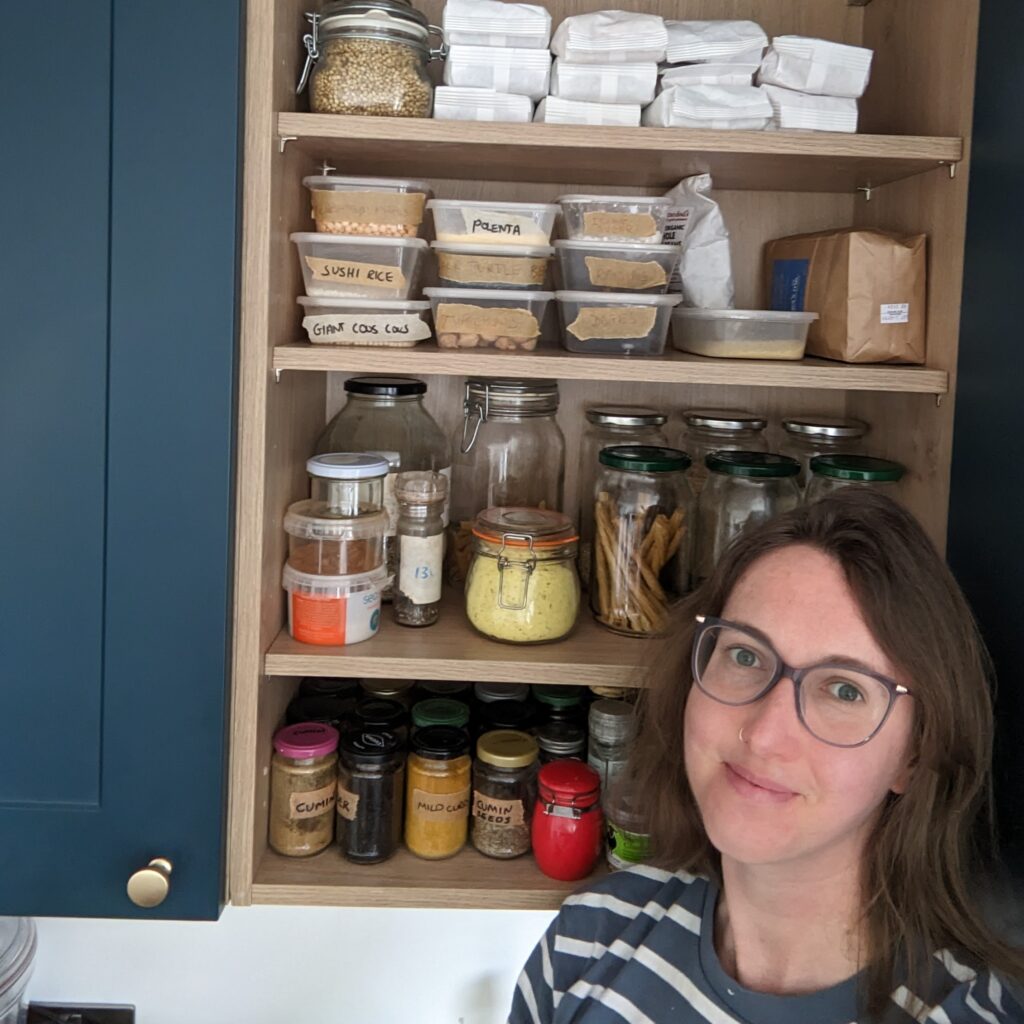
{"x": 814, "y": 760}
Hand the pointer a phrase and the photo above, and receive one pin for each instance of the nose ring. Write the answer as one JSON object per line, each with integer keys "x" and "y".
{"x": 742, "y": 740}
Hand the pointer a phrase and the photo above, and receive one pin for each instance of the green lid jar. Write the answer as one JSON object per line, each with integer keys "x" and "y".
{"x": 830, "y": 473}
{"x": 440, "y": 711}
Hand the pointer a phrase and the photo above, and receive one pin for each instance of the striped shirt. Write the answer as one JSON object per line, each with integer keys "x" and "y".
{"x": 638, "y": 947}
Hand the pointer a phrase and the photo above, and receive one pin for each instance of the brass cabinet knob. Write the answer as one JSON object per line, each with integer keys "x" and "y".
{"x": 149, "y": 886}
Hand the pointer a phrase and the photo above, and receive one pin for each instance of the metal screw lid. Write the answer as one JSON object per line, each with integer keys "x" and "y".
{"x": 825, "y": 427}
{"x": 721, "y": 419}
{"x": 625, "y": 416}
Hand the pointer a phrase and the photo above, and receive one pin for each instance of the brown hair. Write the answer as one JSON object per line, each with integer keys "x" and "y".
{"x": 928, "y": 843}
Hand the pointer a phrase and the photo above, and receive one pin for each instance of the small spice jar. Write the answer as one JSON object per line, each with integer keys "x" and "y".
{"x": 504, "y": 790}
{"x": 522, "y": 586}
{"x": 329, "y": 686}
{"x": 347, "y": 484}
{"x": 562, "y": 703}
{"x": 303, "y": 784}
{"x": 612, "y": 727}
{"x": 437, "y": 792}
{"x": 421, "y": 497}
{"x": 505, "y": 714}
{"x": 321, "y": 544}
{"x": 398, "y": 690}
{"x": 568, "y": 826}
{"x": 326, "y": 709}
{"x": 488, "y": 693}
{"x": 378, "y": 714}
{"x": 427, "y": 688}
{"x": 559, "y": 740}
{"x": 371, "y": 785}
{"x": 810, "y": 436}
{"x": 716, "y": 430}
{"x": 439, "y": 711}
{"x": 830, "y": 473}
{"x": 644, "y": 515}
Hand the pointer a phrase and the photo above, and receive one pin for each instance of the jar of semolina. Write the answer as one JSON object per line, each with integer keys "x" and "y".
{"x": 437, "y": 794}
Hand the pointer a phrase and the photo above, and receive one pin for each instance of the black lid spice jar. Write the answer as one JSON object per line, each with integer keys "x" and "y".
{"x": 437, "y": 792}
{"x": 504, "y": 791}
{"x": 377, "y": 714}
{"x": 371, "y": 782}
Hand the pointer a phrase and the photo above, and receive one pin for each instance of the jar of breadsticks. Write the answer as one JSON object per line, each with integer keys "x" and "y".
{"x": 643, "y": 528}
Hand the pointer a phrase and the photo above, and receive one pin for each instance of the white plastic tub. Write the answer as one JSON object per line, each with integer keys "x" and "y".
{"x": 741, "y": 333}
{"x": 364, "y": 323}
{"x": 472, "y": 318}
{"x": 614, "y": 267}
{"x": 353, "y": 267}
{"x": 492, "y": 223}
{"x": 636, "y": 219}
{"x": 333, "y": 610}
{"x": 384, "y": 207}
{"x": 461, "y": 265}
{"x": 615, "y": 323}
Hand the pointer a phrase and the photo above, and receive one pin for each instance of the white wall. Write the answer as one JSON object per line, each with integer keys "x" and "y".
{"x": 282, "y": 965}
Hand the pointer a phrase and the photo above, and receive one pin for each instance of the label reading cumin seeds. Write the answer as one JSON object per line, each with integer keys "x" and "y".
{"x": 498, "y": 812}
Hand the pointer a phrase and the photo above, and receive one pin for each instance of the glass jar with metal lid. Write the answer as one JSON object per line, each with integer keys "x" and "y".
{"x": 398, "y": 690}
{"x": 609, "y": 425}
{"x": 559, "y": 739}
{"x": 505, "y": 714}
{"x": 504, "y": 791}
{"x": 612, "y": 727}
{"x": 509, "y": 452}
{"x": 644, "y": 517}
{"x": 370, "y": 57}
{"x": 743, "y": 490}
{"x": 718, "y": 430}
{"x": 522, "y": 586}
{"x": 810, "y": 436}
{"x": 830, "y": 473}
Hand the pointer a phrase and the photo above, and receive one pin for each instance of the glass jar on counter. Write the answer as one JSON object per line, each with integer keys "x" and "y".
{"x": 439, "y": 711}
{"x": 744, "y": 489}
{"x": 504, "y": 791}
{"x": 644, "y": 518}
{"x": 830, "y": 473}
{"x": 370, "y": 57}
{"x": 612, "y": 727}
{"x": 810, "y": 436}
{"x": 509, "y": 453}
{"x": 607, "y": 426}
{"x": 421, "y": 500}
{"x": 346, "y": 485}
{"x": 522, "y": 586}
{"x": 371, "y": 786}
{"x": 568, "y": 826}
{"x": 303, "y": 784}
{"x": 717, "y": 430}
{"x": 560, "y": 740}
{"x": 437, "y": 792}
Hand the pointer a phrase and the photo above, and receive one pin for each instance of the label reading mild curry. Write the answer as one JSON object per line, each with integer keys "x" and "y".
{"x": 365, "y": 275}
{"x": 440, "y": 806}
{"x": 311, "y": 804}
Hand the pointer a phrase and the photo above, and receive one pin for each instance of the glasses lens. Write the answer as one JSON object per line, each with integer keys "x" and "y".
{"x": 731, "y": 665}
{"x": 843, "y": 707}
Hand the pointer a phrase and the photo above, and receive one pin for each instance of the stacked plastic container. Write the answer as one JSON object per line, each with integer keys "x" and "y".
{"x": 615, "y": 273}
{"x": 606, "y": 68}
{"x": 498, "y": 61}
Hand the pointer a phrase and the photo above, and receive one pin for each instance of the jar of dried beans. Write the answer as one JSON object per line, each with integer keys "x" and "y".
{"x": 303, "y": 782}
{"x": 437, "y": 794}
{"x": 504, "y": 790}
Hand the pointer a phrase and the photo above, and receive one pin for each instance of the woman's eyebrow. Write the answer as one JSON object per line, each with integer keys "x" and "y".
{"x": 846, "y": 660}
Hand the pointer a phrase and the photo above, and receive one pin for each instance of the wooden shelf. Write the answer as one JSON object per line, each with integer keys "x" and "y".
{"x": 675, "y": 368}
{"x": 643, "y": 157}
{"x": 467, "y": 880}
{"x": 452, "y": 649}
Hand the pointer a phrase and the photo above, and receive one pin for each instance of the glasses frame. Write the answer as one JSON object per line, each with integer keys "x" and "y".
{"x": 797, "y": 675}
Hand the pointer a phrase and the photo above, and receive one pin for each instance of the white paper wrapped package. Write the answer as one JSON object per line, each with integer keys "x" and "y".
{"x": 492, "y": 23}
{"x": 611, "y": 37}
{"x": 735, "y": 107}
{"x": 817, "y": 66}
{"x": 452, "y": 103}
{"x": 555, "y": 110}
{"x": 501, "y": 68}
{"x": 801, "y": 110}
{"x": 707, "y": 74}
{"x": 715, "y": 41}
{"x": 695, "y": 223}
{"x": 604, "y": 83}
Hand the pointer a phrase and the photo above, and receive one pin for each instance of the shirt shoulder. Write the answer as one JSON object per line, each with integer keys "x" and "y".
{"x": 967, "y": 996}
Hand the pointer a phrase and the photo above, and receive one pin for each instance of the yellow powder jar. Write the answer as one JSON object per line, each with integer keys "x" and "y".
{"x": 437, "y": 795}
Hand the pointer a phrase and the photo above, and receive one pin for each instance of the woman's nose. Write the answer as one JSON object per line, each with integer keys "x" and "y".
{"x": 772, "y": 727}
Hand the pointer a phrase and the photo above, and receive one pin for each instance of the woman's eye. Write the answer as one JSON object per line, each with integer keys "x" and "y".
{"x": 845, "y": 691}
{"x": 744, "y": 657}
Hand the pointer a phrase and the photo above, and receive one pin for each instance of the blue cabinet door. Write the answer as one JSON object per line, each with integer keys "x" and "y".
{"x": 118, "y": 231}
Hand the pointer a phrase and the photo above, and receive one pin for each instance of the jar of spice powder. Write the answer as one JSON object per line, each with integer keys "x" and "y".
{"x": 371, "y": 784}
{"x": 504, "y": 790}
{"x": 421, "y": 496}
{"x": 437, "y": 792}
{"x": 303, "y": 783}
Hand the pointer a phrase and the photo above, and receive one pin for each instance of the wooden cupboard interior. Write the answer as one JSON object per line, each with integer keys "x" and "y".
{"x": 906, "y": 171}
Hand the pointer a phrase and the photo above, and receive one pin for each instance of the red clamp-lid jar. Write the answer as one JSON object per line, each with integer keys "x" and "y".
{"x": 567, "y": 820}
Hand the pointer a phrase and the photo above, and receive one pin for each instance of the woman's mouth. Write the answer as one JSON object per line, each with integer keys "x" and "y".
{"x": 755, "y": 787}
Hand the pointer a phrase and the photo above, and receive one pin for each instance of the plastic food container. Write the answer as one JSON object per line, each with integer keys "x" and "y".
{"x": 324, "y": 546}
{"x": 17, "y": 956}
{"x": 614, "y": 267}
{"x": 615, "y": 324}
{"x": 460, "y": 265}
{"x": 333, "y": 610}
{"x": 741, "y": 333}
{"x": 386, "y": 323}
{"x": 354, "y": 267}
{"x": 390, "y": 207}
{"x": 615, "y": 218}
{"x": 493, "y": 223}
{"x": 479, "y": 318}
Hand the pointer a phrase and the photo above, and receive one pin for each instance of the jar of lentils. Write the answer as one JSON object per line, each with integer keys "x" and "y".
{"x": 370, "y": 57}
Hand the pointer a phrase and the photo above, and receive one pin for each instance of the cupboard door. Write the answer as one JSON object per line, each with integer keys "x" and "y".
{"x": 118, "y": 231}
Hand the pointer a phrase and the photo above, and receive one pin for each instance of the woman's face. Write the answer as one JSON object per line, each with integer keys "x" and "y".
{"x": 815, "y": 801}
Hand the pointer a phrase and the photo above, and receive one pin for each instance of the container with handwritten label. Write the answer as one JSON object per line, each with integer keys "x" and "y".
{"x": 303, "y": 784}
{"x": 504, "y": 791}
{"x": 437, "y": 793}
{"x": 357, "y": 267}
{"x": 371, "y": 780}
{"x": 421, "y": 497}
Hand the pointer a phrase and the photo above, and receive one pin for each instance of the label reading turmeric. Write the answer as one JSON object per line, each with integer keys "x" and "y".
{"x": 489, "y": 321}
{"x": 623, "y": 323}
{"x": 439, "y": 807}
{"x": 498, "y": 812}
{"x": 367, "y": 275}
{"x": 404, "y": 208}
{"x": 521, "y": 270}
{"x": 311, "y": 804}
{"x": 348, "y": 803}
{"x": 609, "y": 273}
{"x": 603, "y": 223}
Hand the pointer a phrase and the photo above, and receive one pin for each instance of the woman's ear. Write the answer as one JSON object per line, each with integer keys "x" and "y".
{"x": 902, "y": 780}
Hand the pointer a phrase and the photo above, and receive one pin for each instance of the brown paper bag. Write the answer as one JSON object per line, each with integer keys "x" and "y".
{"x": 867, "y": 287}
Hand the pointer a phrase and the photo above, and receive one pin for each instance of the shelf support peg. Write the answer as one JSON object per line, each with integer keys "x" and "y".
{"x": 277, "y": 376}
{"x": 283, "y": 141}
{"x": 938, "y": 401}
{"x": 867, "y": 190}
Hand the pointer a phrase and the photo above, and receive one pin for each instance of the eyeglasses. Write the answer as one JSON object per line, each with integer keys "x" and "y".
{"x": 840, "y": 704}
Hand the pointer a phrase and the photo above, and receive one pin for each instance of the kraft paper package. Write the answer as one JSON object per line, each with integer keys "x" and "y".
{"x": 867, "y": 287}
